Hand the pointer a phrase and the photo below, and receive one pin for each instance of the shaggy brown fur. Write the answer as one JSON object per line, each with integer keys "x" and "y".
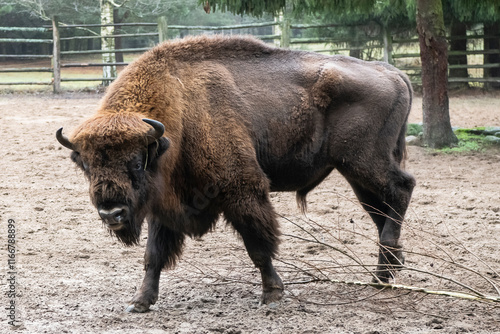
{"x": 242, "y": 119}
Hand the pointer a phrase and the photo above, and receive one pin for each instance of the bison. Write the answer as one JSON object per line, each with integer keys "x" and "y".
{"x": 208, "y": 126}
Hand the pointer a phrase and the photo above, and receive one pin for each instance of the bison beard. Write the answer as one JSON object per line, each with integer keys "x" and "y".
{"x": 206, "y": 127}
{"x": 129, "y": 235}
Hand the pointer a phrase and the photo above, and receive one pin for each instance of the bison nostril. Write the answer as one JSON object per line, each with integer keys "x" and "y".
{"x": 116, "y": 214}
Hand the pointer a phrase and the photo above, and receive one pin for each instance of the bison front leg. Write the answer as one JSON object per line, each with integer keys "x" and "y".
{"x": 272, "y": 286}
{"x": 258, "y": 228}
{"x": 162, "y": 250}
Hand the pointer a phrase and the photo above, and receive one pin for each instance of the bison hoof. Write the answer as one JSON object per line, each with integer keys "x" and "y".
{"x": 383, "y": 275}
{"x": 271, "y": 296}
{"x": 390, "y": 260}
{"x": 137, "y": 308}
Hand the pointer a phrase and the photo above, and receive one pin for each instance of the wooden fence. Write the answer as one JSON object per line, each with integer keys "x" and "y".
{"x": 383, "y": 47}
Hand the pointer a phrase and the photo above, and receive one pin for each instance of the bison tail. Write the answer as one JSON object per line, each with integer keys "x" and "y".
{"x": 400, "y": 152}
{"x": 301, "y": 201}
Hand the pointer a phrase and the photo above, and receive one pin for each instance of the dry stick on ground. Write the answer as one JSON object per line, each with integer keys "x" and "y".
{"x": 354, "y": 258}
{"x": 371, "y": 296}
{"x": 461, "y": 244}
{"x": 451, "y": 261}
{"x": 474, "y": 291}
{"x": 474, "y": 295}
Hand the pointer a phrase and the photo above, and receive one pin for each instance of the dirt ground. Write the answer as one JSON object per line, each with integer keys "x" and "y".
{"x": 73, "y": 277}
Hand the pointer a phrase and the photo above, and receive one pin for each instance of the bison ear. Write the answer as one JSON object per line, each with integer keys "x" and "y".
{"x": 156, "y": 149}
{"x": 163, "y": 145}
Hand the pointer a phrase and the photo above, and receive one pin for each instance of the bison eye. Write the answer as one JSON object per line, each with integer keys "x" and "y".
{"x": 138, "y": 166}
{"x": 85, "y": 166}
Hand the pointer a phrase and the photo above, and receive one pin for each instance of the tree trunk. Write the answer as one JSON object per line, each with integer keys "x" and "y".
{"x": 107, "y": 43}
{"x": 434, "y": 57}
{"x": 355, "y": 44}
{"x": 387, "y": 39}
{"x": 492, "y": 30}
{"x": 459, "y": 31}
{"x": 118, "y": 40}
{"x": 355, "y": 52}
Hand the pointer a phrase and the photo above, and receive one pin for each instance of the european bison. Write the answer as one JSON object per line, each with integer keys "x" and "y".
{"x": 205, "y": 126}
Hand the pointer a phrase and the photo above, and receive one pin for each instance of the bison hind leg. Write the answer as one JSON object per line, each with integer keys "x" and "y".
{"x": 386, "y": 203}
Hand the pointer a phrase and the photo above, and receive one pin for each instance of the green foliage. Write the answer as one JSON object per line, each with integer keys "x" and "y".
{"x": 386, "y": 12}
{"x": 356, "y": 9}
{"x": 336, "y": 7}
{"x": 6, "y": 9}
{"x": 414, "y": 129}
{"x": 469, "y": 140}
{"x": 472, "y": 11}
{"x": 389, "y": 13}
{"x": 247, "y": 7}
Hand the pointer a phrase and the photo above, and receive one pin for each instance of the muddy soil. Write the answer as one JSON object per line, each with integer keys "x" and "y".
{"x": 73, "y": 277}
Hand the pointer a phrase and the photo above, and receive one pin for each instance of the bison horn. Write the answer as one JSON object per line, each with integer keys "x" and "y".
{"x": 156, "y": 132}
{"x": 64, "y": 140}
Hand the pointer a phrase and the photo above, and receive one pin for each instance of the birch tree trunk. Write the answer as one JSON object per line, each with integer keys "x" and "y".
{"x": 107, "y": 43}
{"x": 56, "y": 56}
{"x": 434, "y": 57}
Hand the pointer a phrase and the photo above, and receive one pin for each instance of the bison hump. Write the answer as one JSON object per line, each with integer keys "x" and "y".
{"x": 327, "y": 87}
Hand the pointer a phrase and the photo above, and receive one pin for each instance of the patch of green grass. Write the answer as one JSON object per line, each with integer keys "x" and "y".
{"x": 468, "y": 141}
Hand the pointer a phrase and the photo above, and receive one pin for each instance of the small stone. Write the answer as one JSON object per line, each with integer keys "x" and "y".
{"x": 273, "y": 305}
{"x": 413, "y": 141}
{"x": 491, "y": 130}
{"x": 492, "y": 139}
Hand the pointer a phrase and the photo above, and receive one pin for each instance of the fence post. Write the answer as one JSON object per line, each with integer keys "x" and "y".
{"x": 162, "y": 29}
{"x": 56, "y": 56}
{"x": 387, "y": 45}
{"x": 285, "y": 21}
{"x": 285, "y": 32}
{"x": 277, "y": 29}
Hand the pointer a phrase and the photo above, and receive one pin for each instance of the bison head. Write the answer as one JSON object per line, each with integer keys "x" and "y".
{"x": 119, "y": 155}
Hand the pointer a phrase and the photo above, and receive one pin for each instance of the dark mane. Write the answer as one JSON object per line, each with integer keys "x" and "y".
{"x": 205, "y": 47}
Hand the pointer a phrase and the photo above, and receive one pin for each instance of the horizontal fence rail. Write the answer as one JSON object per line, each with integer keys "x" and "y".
{"x": 381, "y": 46}
{"x": 108, "y": 36}
{"x": 25, "y": 29}
{"x": 92, "y": 64}
{"x": 27, "y": 69}
{"x": 24, "y": 40}
{"x": 239, "y": 26}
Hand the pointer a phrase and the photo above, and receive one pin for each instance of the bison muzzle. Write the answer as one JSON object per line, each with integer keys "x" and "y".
{"x": 208, "y": 126}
